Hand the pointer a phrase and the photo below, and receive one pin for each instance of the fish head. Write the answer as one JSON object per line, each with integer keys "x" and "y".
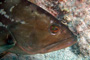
{"x": 37, "y": 31}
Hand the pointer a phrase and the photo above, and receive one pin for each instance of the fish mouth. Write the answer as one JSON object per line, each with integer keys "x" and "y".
{"x": 59, "y": 45}
{"x": 53, "y": 47}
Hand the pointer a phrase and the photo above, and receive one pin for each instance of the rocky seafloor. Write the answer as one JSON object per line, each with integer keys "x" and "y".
{"x": 63, "y": 54}
{"x": 77, "y": 18}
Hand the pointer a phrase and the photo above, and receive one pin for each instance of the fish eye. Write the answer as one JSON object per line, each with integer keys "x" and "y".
{"x": 54, "y": 28}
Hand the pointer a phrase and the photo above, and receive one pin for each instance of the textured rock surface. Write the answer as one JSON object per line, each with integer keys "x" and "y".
{"x": 64, "y": 54}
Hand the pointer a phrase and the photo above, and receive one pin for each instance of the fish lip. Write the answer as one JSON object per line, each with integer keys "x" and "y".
{"x": 54, "y": 45}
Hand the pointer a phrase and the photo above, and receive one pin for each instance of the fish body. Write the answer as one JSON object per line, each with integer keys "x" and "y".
{"x": 32, "y": 30}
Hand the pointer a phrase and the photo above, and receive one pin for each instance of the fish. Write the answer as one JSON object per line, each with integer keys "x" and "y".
{"x": 28, "y": 29}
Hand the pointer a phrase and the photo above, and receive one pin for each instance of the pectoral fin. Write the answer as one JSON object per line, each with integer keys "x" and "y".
{"x": 6, "y": 47}
{"x": 6, "y": 40}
